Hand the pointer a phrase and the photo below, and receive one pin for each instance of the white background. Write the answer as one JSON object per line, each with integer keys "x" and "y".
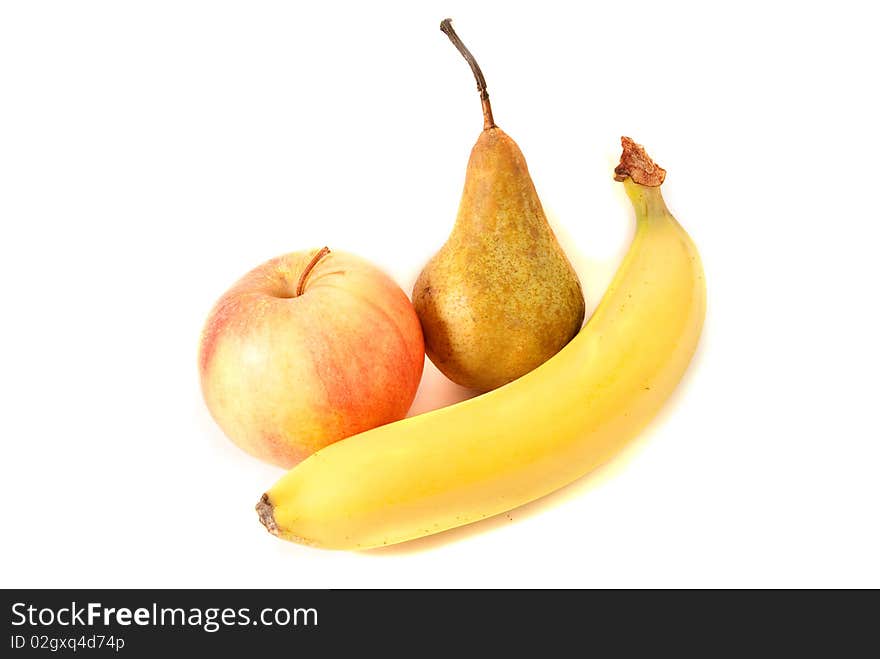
{"x": 153, "y": 152}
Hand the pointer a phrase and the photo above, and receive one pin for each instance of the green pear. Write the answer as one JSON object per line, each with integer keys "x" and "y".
{"x": 500, "y": 297}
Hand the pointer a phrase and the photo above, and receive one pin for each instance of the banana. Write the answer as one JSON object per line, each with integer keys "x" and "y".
{"x": 491, "y": 453}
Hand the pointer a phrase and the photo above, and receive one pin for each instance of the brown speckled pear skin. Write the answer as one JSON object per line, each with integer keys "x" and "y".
{"x": 500, "y": 297}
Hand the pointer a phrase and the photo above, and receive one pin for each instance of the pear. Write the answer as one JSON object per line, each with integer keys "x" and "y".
{"x": 500, "y": 297}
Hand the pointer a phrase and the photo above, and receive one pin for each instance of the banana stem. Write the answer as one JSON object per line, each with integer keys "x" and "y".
{"x": 447, "y": 29}
{"x": 636, "y": 164}
{"x": 641, "y": 178}
{"x": 646, "y": 199}
{"x": 301, "y": 284}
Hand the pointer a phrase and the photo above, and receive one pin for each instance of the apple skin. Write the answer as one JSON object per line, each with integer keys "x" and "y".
{"x": 285, "y": 375}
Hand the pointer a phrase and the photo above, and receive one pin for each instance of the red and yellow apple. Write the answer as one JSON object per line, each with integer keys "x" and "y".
{"x": 307, "y": 349}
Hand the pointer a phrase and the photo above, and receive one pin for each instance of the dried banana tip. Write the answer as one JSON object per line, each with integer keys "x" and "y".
{"x": 636, "y": 164}
{"x": 266, "y": 511}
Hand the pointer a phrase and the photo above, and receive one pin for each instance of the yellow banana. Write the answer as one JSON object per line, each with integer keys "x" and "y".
{"x": 510, "y": 446}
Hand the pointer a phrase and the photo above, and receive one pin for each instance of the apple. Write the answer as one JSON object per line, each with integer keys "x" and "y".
{"x": 307, "y": 349}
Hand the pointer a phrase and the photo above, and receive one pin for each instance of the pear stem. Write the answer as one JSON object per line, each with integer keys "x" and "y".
{"x": 446, "y": 28}
{"x": 301, "y": 285}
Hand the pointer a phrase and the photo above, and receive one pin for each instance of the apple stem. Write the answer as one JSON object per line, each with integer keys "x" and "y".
{"x": 300, "y": 287}
{"x": 446, "y": 28}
